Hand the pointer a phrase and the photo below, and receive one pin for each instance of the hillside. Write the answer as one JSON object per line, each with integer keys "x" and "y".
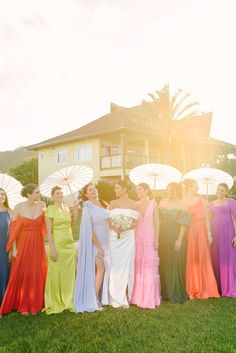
{"x": 10, "y": 159}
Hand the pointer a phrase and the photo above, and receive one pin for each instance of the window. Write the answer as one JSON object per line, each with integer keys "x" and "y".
{"x": 84, "y": 153}
{"x": 61, "y": 156}
{"x": 111, "y": 150}
{"x": 115, "y": 150}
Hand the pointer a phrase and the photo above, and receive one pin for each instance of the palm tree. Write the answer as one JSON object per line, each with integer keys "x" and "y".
{"x": 165, "y": 109}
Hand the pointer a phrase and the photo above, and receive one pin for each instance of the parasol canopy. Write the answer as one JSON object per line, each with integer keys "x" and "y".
{"x": 70, "y": 179}
{"x": 12, "y": 188}
{"x": 208, "y": 179}
{"x": 157, "y": 176}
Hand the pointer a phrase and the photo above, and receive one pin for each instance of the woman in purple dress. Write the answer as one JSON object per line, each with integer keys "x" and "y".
{"x": 223, "y": 218}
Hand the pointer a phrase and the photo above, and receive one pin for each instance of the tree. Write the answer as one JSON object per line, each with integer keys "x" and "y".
{"x": 165, "y": 110}
{"x": 26, "y": 172}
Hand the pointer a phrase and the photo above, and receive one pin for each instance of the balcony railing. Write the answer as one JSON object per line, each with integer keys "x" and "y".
{"x": 115, "y": 161}
{"x": 132, "y": 160}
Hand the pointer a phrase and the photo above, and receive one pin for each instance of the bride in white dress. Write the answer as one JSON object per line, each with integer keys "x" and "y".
{"x": 123, "y": 216}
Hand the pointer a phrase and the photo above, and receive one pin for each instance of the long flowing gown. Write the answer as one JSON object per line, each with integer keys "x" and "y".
{"x": 223, "y": 253}
{"x": 59, "y": 291}
{"x": 25, "y": 290}
{"x": 172, "y": 263}
{"x": 200, "y": 278}
{"x": 4, "y": 262}
{"x": 146, "y": 289}
{"x": 94, "y": 220}
{"x": 122, "y": 261}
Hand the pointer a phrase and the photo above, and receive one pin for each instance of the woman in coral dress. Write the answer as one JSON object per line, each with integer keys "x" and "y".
{"x": 25, "y": 290}
{"x": 61, "y": 255}
{"x": 146, "y": 289}
{"x": 4, "y": 237}
{"x": 200, "y": 278}
{"x": 223, "y": 218}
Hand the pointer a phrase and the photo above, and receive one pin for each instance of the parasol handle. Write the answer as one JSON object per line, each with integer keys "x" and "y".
{"x": 71, "y": 191}
{"x": 155, "y": 181}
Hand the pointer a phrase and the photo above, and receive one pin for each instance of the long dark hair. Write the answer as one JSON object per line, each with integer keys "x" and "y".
{"x": 225, "y": 186}
{"x": 124, "y": 184}
{"x": 146, "y": 187}
{"x": 6, "y": 202}
{"x": 28, "y": 189}
{"x": 84, "y": 198}
{"x": 189, "y": 183}
{"x": 175, "y": 189}
{"x": 54, "y": 189}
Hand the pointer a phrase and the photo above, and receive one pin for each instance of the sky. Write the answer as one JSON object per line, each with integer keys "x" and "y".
{"x": 62, "y": 62}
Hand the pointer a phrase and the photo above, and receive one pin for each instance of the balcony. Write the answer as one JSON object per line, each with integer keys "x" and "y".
{"x": 115, "y": 161}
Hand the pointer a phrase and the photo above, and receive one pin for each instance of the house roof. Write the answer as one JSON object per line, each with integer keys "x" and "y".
{"x": 119, "y": 118}
{"x": 134, "y": 119}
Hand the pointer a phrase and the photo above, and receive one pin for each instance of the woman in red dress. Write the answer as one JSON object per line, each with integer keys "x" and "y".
{"x": 25, "y": 290}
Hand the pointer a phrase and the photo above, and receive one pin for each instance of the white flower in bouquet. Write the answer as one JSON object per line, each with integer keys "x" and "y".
{"x": 122, "y": 222}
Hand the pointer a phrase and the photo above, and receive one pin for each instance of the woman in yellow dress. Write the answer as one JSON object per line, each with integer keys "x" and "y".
{"x": 62, "y": 255}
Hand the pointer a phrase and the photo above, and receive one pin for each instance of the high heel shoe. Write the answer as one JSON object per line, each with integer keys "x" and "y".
{"x": 100, "y": 308}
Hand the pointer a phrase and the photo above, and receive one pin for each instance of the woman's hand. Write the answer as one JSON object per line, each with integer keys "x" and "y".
{"x": 11, "y": 256}
{"x": 156, "y": 245}
{"x": 100, "y": 250}
{"x": 178, "y": 244}
{"x": 234, "y": 241}
{"x": 53, "y": 254}
{"x": 14, "y": 251}
{"x": 209, "y": 239}
{"x": 75, "y": 208}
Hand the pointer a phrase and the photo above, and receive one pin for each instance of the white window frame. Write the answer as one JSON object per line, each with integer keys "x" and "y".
{"x": 87, "y": 154}
{"x": 64, "y": 161}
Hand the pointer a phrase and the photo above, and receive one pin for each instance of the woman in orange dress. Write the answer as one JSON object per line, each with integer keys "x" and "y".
{"x": 200, "y": 278}
{"x": 25, "y": 290}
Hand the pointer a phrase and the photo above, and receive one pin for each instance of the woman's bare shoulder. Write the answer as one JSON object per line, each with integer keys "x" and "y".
{"x": 113, "y": 204}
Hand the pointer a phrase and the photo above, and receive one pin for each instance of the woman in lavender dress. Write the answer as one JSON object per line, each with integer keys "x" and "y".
{"x": 223, "y": 217}
{"x": 91, "y": 288}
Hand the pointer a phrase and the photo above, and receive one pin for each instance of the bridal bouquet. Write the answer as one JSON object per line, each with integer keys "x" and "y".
{"x": 122, "y": 222}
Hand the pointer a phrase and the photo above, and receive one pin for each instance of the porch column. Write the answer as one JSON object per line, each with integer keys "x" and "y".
{"x": 147, "y": 150}
{"x": 122, "y": 144}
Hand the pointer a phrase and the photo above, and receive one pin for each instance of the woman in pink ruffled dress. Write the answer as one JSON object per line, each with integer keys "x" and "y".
{"x": 146, "y": 290}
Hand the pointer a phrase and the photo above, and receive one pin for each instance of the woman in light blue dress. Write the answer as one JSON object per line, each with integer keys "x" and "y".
{"x": 4, "y": 237}
{"x": 91, "y": 288}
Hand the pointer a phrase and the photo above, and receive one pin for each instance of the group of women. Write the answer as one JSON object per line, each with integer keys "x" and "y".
{"x": 129, "y": 252}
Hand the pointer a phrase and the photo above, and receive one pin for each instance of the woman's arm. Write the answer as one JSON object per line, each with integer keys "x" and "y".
{"x": 178, "y": 242}
{"x": 74, "y": 213}
{"x": 208, "y": 228}
{"x": 53, "y": 253}
{"x": 13, "y": 215}
{"x": 96, "y": 242}
{"x": 207, "y": 224}
{"x": 234, "y": 238}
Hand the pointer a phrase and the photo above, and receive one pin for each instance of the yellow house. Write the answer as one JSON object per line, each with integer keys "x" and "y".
{"x": 126, "y": 137}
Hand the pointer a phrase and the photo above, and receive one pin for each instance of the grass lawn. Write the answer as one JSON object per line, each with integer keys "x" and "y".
{"x": 196, "y": 326}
